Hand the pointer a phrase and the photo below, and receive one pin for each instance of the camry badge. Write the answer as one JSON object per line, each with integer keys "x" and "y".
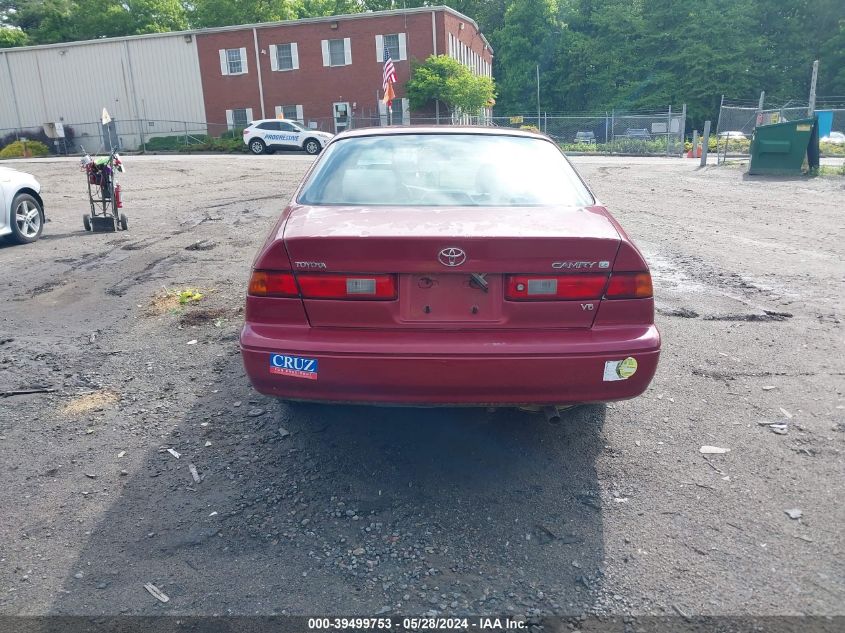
{"x": 452, "y": 256}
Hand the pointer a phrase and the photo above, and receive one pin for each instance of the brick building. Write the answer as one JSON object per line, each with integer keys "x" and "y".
{"x": 328, "y": 68}
{"x": 320, "y": 71}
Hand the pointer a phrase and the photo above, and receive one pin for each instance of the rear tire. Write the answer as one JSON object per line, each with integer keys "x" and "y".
{"x": 311, "y": 146}
{"x": 86, "y": 222}
{"x": 27, "y": 219}
{"x": 124, "y": 222}
{"x": 257, "y": 146}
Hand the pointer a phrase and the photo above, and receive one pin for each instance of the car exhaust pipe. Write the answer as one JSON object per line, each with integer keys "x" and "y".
{"x": 552, "y": 414}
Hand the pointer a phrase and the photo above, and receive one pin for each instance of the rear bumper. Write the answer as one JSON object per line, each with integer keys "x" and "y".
{"x": 452, "y": 368}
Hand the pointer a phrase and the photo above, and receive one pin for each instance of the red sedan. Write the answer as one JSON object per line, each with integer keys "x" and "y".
{"x": 448, "y": 266}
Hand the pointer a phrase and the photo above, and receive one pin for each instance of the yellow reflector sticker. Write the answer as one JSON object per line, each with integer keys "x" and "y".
{"x": 803, "y": 127}
{"x": 619, "y": 369}
{"x": 627, "y": 368}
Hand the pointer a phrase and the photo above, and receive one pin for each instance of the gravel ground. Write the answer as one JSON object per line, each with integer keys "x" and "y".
{"x": 313, "y": 509}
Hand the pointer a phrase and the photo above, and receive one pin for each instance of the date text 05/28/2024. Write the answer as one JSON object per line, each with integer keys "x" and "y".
{"x": 416, "y": 624}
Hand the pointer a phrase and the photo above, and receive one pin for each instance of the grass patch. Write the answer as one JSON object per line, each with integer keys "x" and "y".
{"x": 828, "y": 170}
{"x": 173, "y": 301}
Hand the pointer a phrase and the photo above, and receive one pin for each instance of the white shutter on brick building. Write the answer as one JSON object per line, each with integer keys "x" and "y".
{"x": 224, "y": 62}
{"x": 327, "y": 60}
{"x": 230, "y": 119}
{"x": 244, "y": 68}
{"x": 294, "y": 55}
{"x": 347, "y": 50}
{"x": 249, "y": 118}
{"x": 299, "y": 116}
{"x": 380, "y": 48}
{"x": 274, "y": 58}
{"x": 403, "y": 47}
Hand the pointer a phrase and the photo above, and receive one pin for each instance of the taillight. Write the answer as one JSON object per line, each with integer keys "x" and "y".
{"x": 555, "y": 287}
{"x": 334, "y": 286}
{"x": 246, "y": 131}
{"x": 629, "y": 286}
{"x": 272, "y": 284}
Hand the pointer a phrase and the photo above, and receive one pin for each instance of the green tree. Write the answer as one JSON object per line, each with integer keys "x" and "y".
{"x": 43, "y": 21}
{"x": 10, "y": 37}
{"x": 208, "y": 13}
{"x": 526, "y": 39}
{"x": 444, "y": 79}
{"x": 48, "y": 21}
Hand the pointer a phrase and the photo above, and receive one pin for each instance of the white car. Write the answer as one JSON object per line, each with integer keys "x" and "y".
{"x": 268, "y": 135}
{"x": 835, "y": 138}
{"x": 22, "y": 217}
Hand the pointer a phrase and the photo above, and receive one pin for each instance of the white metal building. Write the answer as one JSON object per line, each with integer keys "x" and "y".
{"x": 132, "y": 76}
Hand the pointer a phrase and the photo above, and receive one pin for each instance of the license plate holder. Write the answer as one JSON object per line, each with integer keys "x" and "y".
{"x": 450, "y": 298}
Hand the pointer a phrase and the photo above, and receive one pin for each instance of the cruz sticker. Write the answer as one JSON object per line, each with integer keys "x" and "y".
{"x": 619, "y": 369}
{"x": 295, "y": 366}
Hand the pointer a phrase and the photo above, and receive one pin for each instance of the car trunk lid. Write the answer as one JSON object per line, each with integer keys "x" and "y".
{"x": 452, "y": 264}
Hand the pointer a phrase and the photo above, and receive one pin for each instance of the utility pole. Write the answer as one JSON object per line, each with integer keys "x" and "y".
{"x": 538, "y": 96}
{"x": 812, "y": 109}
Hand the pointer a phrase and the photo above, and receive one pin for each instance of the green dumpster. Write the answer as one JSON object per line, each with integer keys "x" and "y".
{"x": 782, "y": 147}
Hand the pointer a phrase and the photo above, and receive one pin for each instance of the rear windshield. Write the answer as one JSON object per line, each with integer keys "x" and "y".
{"x": 444, "y": 170}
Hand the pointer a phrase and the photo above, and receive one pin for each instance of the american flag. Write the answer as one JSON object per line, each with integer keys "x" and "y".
{"x": 389, "y": 76}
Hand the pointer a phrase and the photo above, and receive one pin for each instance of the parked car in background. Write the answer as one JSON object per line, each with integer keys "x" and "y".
{"x": 585, "y": 137}
{"x": 640, "y": 133}
{"x": 457, "y": 266}
{"x": 834, "y": 138}
{"x": 22, "y": 218}
{"x": 269, "y": 135}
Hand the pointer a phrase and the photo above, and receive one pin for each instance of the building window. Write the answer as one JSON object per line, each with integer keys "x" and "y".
{"x": 284, "y": 56}
{"x": 233, "y": 59}
{"x": 391, "y": 43}
{"x": 291, "y": 112}
{"x": 240, "y": 118}
{"x": 396, "y": 45}
{"x": 288, "y": 112}
{"x": 337, "y": 53}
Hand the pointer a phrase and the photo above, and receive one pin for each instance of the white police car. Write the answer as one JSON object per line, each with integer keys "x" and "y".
{"x": 268, "y": 135}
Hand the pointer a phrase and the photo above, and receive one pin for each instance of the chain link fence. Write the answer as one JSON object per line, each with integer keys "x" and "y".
{"x": 611, "y": 132}
{"x": 738, "y": 118}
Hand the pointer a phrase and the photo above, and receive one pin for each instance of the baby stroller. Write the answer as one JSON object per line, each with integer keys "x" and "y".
{"x": 104, "y": 193}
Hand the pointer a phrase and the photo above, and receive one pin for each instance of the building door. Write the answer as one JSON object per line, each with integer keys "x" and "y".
{"x": 341, "y": 116}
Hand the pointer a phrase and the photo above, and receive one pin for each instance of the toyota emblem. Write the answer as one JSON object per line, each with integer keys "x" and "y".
{"x": 452, "y": 256}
